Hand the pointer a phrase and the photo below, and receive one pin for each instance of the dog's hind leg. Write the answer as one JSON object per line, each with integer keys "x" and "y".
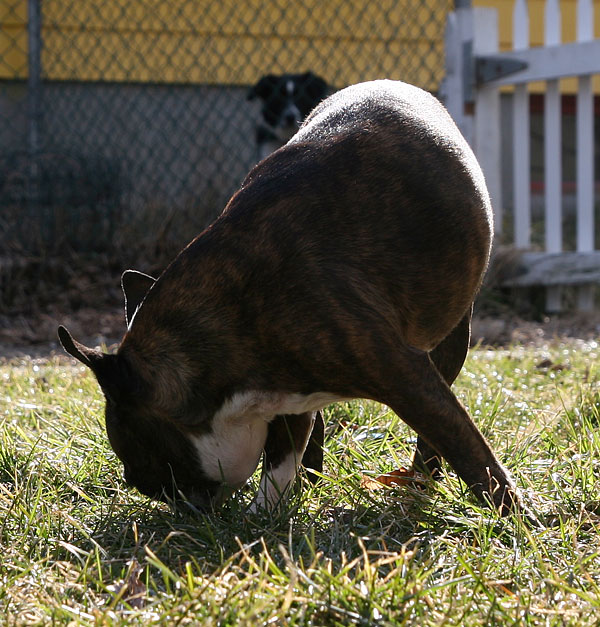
{"x": 448, "y": 357}
{"x": 287, "y": 439}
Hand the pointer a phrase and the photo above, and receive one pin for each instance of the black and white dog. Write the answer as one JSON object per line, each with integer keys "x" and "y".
{"x": 287, "y": 99}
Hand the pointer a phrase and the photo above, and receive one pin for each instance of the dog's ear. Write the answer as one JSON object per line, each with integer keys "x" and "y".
{"x": 263, "y": 88}
{"x": 87, "y": 356}
{"x": 111, "y": 371}
{"x": 135, "y": 287}
{"x": 314, "y": 86}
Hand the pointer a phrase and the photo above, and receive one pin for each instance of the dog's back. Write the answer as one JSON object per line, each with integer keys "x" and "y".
{"x": 380, "y": 196}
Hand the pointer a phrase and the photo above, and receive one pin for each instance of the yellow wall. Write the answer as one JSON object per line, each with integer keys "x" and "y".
{"x": 568, "y": 9}
{"x": 233, "y": 42}
{"x": 13, "y": 39}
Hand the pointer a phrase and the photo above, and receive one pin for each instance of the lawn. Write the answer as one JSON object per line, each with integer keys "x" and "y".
{"x": 79, "y": 547}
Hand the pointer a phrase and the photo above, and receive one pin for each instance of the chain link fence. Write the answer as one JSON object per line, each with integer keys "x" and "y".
{"x": 123, "y": 119}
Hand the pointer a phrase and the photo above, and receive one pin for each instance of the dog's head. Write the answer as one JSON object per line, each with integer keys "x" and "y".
{"x": 288, "y": 98}
{"x": 168, "y": 453}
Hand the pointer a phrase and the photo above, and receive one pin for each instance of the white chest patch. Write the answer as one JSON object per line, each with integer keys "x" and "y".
{"x": 231, "y": 452}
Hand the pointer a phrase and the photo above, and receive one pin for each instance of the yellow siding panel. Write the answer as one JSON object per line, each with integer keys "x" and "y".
{"x": 228, "y": 42}
{"x": 231, "y": 42}
{"x": 383, "y": 20}
{"x": 13, "y": 39}
{"x": 221, "y": 59}
{"x": 568, "y": 10}
{"x": 12, "y": 11}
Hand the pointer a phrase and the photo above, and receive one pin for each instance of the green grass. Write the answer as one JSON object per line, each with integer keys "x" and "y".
{"x": 78, "y": 547}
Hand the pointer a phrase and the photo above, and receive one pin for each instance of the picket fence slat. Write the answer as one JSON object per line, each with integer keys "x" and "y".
{"x": 585, "y": 138}
{"x": 585, "y": 165}
{"x": 552, "y": 154}
{"x": 487, "y": 114}
{"x": 585, "y": 153}
{"x": 552, "y": 139}
{"x": 521, "y": 145}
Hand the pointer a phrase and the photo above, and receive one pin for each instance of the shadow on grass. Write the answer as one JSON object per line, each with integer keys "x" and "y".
{"x": 304, "y": 530}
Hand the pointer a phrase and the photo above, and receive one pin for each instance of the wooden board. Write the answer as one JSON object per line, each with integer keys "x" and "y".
{"x": 568, "y": 268}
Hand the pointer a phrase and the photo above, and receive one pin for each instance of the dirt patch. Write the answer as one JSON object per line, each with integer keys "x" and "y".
{"x": 35, "y": 334}
{"x": 83, "y": 293}
{"x": 509, "y": 329}
{"x": 85, "y": 296}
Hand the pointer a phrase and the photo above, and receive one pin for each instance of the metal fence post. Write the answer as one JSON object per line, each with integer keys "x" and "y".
{"x": 34, "y": 40}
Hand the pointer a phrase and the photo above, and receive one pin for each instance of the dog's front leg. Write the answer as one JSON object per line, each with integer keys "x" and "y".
{"x": 287, "y": 438}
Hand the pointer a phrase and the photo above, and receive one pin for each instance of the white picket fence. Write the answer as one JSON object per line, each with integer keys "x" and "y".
{"x": 475, "y": 71}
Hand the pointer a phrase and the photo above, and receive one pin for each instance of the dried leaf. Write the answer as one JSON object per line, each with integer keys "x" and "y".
{"x": 131, "y": 591}
{"x": 548, "y": 364}
{"x": 398, "y": 477}
{"x": 135, "y": 593}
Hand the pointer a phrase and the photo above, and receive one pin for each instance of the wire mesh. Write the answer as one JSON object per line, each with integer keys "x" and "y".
{"x": 123, "y": 112}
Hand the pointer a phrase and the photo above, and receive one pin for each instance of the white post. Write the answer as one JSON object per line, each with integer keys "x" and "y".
{"x": 487, "y": 112}
{"x": 585, "y": 153}
{"x": 553, "y": 154}
{"x": 521, "y": 147}
{"x": 459, "y": 31}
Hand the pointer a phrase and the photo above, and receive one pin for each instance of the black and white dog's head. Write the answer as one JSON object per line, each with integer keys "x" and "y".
{"x": 286, "y": 100}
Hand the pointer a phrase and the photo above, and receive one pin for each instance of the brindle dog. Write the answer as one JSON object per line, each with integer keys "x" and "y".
{"x": 344, "y": 267}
